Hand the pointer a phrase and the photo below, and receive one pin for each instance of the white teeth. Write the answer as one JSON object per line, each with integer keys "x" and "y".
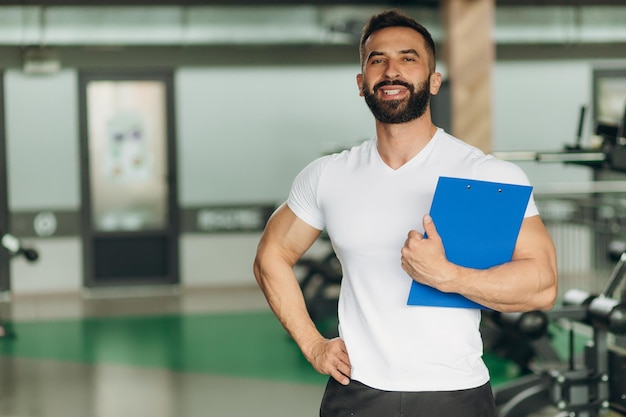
{"x": 391, "y": 91}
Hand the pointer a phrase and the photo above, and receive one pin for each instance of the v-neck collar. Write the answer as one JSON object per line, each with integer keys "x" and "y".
{"x": 420, "y": 156}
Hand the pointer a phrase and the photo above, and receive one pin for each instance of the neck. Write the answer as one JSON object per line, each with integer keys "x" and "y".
{"x": 399, "y": 143}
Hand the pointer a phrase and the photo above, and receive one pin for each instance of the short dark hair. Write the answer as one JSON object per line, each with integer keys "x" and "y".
{"x": 394, "y": 18}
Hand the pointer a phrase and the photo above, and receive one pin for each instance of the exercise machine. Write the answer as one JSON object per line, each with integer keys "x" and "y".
{"x": 609, "y": 154}
{"x": 15, "y": 248}
{"x": 581, "y": 386}
{"x": 320, "y": 285}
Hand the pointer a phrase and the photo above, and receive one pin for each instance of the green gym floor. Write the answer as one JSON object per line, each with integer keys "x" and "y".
{"x": 210, "y": 353}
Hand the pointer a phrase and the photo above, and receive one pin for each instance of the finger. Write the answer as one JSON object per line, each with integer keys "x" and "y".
{"x": 340, "y": 377}
{"x": 343, "y": 361}
{"x": 414, "y": 234}
{"x": 342, "y": 357}
{"x": 344, "y": 369}
{"x": 429, "y": 227}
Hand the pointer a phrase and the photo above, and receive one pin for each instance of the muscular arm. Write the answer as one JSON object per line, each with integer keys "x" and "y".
{"x": 285, "y": 239}
{"x": 528, "y": 282}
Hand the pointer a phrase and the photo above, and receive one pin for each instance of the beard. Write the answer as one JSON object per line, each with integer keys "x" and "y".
{"x": 398, "y": 111}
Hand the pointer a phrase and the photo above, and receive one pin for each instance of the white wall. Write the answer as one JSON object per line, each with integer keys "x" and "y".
{"x": 59, "y": 268}
{"x": 42, "y": 140}
{"x": 218, "y": 260}
{"x": 43, "y": 173}
{"x": 243, "y": 134}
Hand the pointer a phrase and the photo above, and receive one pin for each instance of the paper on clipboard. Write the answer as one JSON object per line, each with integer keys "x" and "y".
{"x": 478, "y": 222}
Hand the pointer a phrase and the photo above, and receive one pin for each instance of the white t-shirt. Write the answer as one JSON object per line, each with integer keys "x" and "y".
{"x": 368, "y": 209}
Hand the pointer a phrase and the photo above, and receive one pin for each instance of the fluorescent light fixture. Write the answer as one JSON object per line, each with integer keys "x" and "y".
{"x": 40, "y": 61}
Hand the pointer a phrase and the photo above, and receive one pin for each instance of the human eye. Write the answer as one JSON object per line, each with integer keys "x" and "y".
{"x": 409, "y": 55}
{"x": 376, "y": 58}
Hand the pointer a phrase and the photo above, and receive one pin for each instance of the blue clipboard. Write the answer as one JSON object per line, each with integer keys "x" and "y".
{"x": 478, "y": 222}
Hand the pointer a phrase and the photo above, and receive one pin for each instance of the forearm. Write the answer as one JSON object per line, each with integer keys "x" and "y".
{"x": 516, "y": 286}
{"x": 284, "y": 296}
{"x": 285, "y": 239}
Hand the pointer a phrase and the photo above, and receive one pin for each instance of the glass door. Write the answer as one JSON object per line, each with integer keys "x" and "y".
{"x": 129, "y": 192}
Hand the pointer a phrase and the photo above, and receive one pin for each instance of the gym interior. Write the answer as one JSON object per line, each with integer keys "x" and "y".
{"x": 144, "y": 145}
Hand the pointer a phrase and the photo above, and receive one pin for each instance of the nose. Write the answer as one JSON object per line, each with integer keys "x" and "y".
{"x": 391, "y": 71}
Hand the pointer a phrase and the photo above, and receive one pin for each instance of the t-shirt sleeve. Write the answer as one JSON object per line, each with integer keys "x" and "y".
{"x": 303, "y": 199}
{"x": 507, "y": 172}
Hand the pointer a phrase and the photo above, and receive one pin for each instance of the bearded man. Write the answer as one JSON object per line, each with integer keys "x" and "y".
{"x": 392, "y": 359}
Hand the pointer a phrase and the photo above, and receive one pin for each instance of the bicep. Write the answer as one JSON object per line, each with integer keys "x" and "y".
{"x": 535, "y": 245}
{"x": 286, "y": 236}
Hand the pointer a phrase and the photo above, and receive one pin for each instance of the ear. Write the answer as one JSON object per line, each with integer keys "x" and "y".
{"x": 435, "y": 82}
{"x": 359, "y": 82}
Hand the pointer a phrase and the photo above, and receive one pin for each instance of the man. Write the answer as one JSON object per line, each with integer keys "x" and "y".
{"x": 392, "y": 359}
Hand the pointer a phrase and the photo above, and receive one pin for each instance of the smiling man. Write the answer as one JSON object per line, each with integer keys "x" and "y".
{"x": 392, "y": 359}
{"x": 391, "y": 108}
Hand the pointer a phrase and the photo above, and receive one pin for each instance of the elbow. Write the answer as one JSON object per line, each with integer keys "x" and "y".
{"x": 256, "y": 270}
{"x": 546, "y": 298}
{"x": 542, "y": 299}
{"x": 551, "y": 292}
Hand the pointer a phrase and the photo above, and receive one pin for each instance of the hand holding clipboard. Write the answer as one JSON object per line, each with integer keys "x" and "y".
{"x": 478, "y": 222}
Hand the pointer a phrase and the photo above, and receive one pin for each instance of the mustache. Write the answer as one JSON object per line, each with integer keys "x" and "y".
{"x": 385, "y": 83}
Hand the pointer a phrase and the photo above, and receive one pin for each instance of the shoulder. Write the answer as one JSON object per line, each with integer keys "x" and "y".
{"x": 316, "y": 166}
{"x": 310, "y": 176}
{"x": 493, "y": 169}
{"x": 486, "y": 166}
{"x": 458, "y": 147}
{"x": 340, "y": 159}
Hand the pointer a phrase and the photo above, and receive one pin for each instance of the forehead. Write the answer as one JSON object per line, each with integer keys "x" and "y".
{"x": 394, "y": 39}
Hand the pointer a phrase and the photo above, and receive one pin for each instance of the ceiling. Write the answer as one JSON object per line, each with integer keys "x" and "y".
{"x": 142, "y": 32}
{"x": 106, "y": 23}
{"x": 319, "y": 24}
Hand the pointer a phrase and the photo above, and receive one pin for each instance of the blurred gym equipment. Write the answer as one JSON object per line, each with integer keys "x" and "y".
{"x": 586, "y": 386}
{"x": 15, "y": 248}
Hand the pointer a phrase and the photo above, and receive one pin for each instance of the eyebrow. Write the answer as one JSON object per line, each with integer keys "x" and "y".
{"x": 374, "y": 53}
{"x": 403, "y": 52}
{"x": 409, "y": 51}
